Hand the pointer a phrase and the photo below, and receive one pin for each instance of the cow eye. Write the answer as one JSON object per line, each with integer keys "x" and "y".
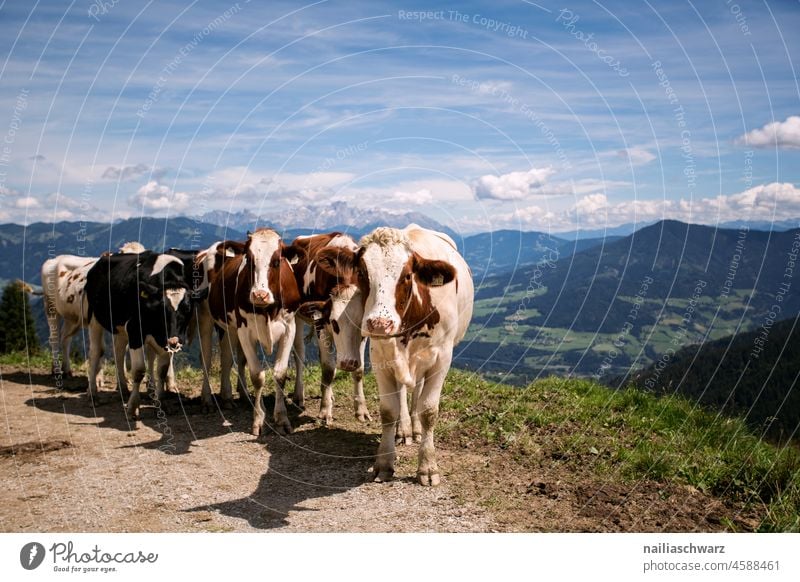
{"x": 408, "y": 276}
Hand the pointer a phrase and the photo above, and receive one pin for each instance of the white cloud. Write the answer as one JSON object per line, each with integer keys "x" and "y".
{"x": 27, "y": 202}
{"x": 637, "y": 156}
{"x": 421, "y": 196}
{"x": 514, "y": 185}
{"x": 776, "y": 201}
{"x": 782, "y": 134}
{"x": 5, "y": 191}
{"x": 155, "y": 197}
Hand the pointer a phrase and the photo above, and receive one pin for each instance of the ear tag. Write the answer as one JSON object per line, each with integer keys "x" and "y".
{"x": 316, "y": 316}
{"x": 294, "y": 260}
{"x": 143, "y": 295}
{"x": 437, "y": 281}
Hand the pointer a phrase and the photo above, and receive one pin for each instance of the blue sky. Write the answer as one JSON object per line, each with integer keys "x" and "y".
{"x": 510, "y": 114}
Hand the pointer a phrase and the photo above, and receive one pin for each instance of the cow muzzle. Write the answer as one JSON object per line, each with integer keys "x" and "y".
{"x": 174, "y": 345}
{"x": 380, "y": 326}
{"x": 261, "y": 297}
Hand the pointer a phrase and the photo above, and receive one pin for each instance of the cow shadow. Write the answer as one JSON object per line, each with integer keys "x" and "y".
{"x": 181, "y": 424}
{"x": 179, "y": 420}
{"x": 306, "y": 465}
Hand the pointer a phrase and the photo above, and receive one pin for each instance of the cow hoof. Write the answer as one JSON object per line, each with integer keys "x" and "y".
{"x": 256, "y": 430}
{"x": 298, "y": 402}
{"x": 431, "y": 479}
{"x": 283, "y": 427}
{"x": 326, "y": 418}
{"x": 362, "y": 415}
{"x": 227, "y": 404}
{"x": 383, "y": 475}
{"x": 403, "y": 440}
{"x": 417, "y": 437}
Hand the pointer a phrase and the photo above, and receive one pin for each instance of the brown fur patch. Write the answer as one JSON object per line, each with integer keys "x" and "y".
{"x": 417, "y": 312}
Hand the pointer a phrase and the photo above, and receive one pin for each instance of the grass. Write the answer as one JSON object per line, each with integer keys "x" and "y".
{"x": 627, "y": 435}
{"x": 617, "y": 436}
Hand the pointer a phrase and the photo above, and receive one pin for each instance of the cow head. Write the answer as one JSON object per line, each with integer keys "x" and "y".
{"x": 263, "y": 255}
{"x": 266, "y": 259}
{"x": 396, "y": 283}
{"x": 167, "y": 303}
{"x": 344, "y": 309}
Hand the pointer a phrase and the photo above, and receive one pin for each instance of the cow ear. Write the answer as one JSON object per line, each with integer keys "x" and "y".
{"x": 292, "y": 253}
{"x": 432, "y": 272}
{"x": 317, "y": 311}
{"x": 336, "y": 261}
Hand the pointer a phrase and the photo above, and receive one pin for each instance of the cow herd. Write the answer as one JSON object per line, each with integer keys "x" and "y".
{"x": 408, "y": 291}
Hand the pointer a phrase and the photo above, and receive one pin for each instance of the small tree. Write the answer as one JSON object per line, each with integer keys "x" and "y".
{"x": 17, "y": 328}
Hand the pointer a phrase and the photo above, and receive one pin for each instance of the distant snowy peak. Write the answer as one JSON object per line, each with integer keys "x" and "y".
{"x": 319, "y": 218}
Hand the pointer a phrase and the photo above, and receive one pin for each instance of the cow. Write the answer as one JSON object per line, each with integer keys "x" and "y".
{"x": 416, "y": 297}
{"x": 208, "y": 265}
{"x": 255, "y": 297}
{"x": 145, "y": 299}
{"x": 320, "y": 292}
{"x": 63, "y": 281}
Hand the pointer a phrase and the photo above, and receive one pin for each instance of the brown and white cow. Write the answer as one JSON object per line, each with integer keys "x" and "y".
{"x": 321, "y": 294}
{"x": 416, "y": 298}
{"x": 210, "y": 262}
{"x": 256, "y": 297}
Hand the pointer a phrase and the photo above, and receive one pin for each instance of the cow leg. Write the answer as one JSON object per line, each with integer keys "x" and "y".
{"x": 390, "y": 396}
{"x": 241, "y": 383}
{"x": 163, "y": 366}
{"x": 299, "y": 355}
{"x": 68, "y": 331}
{"x": 257, "y": 376}
{"x": 54, "y": 324}
{"x": 428, "y": 411}
{"x": 327, "y": 360}
{"x": 279, "y": 372}
{"x": 169, "y": 380}
{"x": 404, "y": 434}
{"x": 120, "y": 345}
{"x": 138, "y": 368}
{"x": 359, "y": 401}
{"x": 226, "y": 348}
{"x": 96, "y": 349}
{"x": 206, "y": 330}
{"x": 416, "y": 428}
{"x": 150, "y": 363}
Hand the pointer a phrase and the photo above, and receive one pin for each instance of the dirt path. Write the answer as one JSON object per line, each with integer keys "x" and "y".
{"x": 69, "y": 466}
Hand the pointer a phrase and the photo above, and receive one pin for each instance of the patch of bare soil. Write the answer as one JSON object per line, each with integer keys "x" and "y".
{"x": 70, "y": 464}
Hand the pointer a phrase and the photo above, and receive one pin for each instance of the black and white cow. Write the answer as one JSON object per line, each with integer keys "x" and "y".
{"x": 63, "y": 283}
{"x": 146, "y": 297}
{"x": 415, "y": 304}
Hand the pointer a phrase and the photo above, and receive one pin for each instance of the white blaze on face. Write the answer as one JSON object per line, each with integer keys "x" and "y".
{"x": 347, "y": 311}
{"x": 175, "y": 296}
{"x": 162, "y": 261}
{"x": 384, "y": 265}
{"x": 263, "y": 245}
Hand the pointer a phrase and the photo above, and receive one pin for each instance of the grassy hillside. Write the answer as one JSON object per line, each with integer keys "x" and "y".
{"x": 753, "y": 374}
{"x": 621, "y": 305}
{"x": 577, "y": 435}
